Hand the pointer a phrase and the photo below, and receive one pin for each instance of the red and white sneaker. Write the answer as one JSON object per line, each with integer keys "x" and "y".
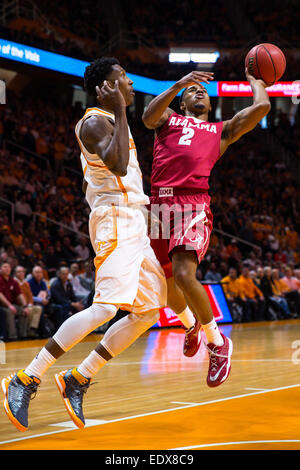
{"x": 219, "y": 362}
{"x": 192, "y": 340}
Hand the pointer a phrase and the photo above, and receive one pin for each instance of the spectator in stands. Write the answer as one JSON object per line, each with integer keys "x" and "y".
{"x": 291, "y": 289}
{"x": 253, "y": 276}
{"x": 23, "y": 259}
{"x": 16, "y": 235}
{"x": 51, "y": 261}
{"x": 87, "y": 279}
{"x": 58, "y": 252}
{"x": 38, "y": 286}
{"x": 274, "y": 302}
{"x": 234, "y": 295}
{"x": 258, "y": 277}
{"x": 255, "y": 302}
{"x": 37, "y": 255}
{"x": 68, "y": 250}
{"x": 297, "y": 277}
{"x": 212, "y": 275}
{"x": 80, "y": 291}
{"x": 63, "y": 297}
{"x": 290, "y": 280}
{"x": 3, "y": 329}
{"x": 35, "y": 311}
{"x": 41, "y": 294}
{"x": 23, "y": 209}
{"x": 13, "y": 303}
{"x": 82, "y": 250}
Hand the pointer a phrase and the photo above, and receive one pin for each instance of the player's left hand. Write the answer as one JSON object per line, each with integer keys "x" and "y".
{"x": 110, "y": 96}
{"x": 195, "y": 77}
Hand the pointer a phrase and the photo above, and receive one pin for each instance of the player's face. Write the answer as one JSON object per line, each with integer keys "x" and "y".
{"x": 196, "y": 100}
{"x": 125, "y": 84}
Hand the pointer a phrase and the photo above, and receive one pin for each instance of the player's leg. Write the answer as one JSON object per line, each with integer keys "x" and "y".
{"x": 73, "y": 383}
{"x": 20, "y": 387}
{"x": 184, "y": 269}
{"x": 176, "y": 300}
{"x": 150, "y": 296}
{"x": 117, "y": 338}
{"x": 178, "y": 303}
{"x": 117, "y": 282}
{"x": 219, "y": 347}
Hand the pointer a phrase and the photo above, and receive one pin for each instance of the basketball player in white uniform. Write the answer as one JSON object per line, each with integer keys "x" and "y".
{"x": 128, "y": 274}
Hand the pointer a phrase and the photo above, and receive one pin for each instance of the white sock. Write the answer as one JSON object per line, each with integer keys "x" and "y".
{"x": 187, "y": 318}
{"x": 40, "y": 363}
{"x": 91, "y": 365}
{"x": 212, "y": 333}
{"x": 118, "y": 337}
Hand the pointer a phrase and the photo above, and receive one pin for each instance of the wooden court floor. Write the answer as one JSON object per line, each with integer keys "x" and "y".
{"x": 152, "y": 397}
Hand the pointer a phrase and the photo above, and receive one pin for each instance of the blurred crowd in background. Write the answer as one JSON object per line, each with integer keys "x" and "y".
{"x": 46, "y": 260}
{"x": 134, "y": 26}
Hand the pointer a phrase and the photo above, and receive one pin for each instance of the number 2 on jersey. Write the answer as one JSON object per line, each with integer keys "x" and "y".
{"x": 188, "y": 134}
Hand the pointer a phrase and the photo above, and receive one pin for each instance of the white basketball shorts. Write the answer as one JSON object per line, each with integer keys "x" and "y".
{"x": 128, "y": 273}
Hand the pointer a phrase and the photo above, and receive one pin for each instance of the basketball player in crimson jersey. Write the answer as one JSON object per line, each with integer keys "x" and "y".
{"x": 186, "y": 149}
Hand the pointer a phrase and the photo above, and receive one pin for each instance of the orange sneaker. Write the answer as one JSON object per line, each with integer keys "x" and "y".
{"x": 72, "y": 385}
{"x": 18, "y": 390}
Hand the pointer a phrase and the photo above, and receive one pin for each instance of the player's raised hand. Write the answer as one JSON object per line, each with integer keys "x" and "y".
{"x": 252, "y": 79}
{"x": 110, "y": 97}
{"x": 195, "y": 77}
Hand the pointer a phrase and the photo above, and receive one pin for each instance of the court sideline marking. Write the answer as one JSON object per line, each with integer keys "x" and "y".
{"x": 158, "y": 412}
{"x": 234, "y": 443}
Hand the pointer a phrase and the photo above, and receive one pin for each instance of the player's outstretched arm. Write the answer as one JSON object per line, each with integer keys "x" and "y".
{"x": 246, "y": 120}
{"x": 158, "y": 111}
{"x": 109, "y": 142}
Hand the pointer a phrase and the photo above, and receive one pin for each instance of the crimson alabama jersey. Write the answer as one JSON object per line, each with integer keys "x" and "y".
{"x": 185, "y": 151}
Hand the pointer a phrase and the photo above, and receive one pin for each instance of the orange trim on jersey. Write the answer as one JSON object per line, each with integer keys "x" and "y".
{"x": 132, "y": 144}
{"x": 123, "y": 189}
{"x": 124, "y": 306}
{"x": 101, "y": 111}
{"x": 111, "y": 246}
{"x": 97, "y": 165}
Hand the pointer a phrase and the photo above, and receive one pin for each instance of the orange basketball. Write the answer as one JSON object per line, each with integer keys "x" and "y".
{"x": 267, "y": 62}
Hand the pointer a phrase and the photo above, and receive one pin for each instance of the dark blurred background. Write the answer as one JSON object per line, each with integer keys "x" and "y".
{"x": 254, "y": 187}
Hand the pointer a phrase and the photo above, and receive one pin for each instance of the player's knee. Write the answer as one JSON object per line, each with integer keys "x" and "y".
{"x": 183, "y": 277}
{"x": 101, "y": 311}
{"x": 150, "y": 317}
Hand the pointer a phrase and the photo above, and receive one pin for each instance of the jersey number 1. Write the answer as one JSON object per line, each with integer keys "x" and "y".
{"x": 188, "y": 134}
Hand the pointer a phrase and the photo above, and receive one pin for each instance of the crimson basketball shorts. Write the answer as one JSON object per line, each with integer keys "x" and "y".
{"x": 181, "y": 222}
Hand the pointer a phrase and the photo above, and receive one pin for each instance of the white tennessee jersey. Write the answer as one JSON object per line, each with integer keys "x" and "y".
{"x": 103, "y": 187}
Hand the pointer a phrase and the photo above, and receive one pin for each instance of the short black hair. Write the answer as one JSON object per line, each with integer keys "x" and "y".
{"x": 97, "y": 72}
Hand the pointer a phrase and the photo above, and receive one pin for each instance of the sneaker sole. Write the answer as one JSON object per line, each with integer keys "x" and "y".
{"x": 5, "y": 383}
{"x": 59, "y": 380}
{"x": 228, "y": 369}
